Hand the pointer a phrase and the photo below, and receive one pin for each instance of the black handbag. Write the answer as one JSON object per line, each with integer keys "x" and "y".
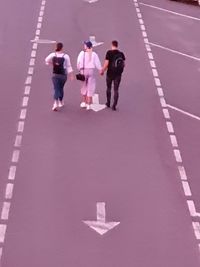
{"x": 80, "y": 76}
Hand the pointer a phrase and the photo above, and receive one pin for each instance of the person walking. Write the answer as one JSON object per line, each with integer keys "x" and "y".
{"x": 87, "y": 61}
{"x": 114, "y": 64}
{"x": 61, "y": 68}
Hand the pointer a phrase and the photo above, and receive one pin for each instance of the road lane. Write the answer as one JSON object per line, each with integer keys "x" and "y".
{"x": 15, "y": 34}
{"x": 72, "y": 159}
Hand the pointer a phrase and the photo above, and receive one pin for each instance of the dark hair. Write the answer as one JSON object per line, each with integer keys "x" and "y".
{"x": 59, "y": 47}
{"x": 115, "y": 43}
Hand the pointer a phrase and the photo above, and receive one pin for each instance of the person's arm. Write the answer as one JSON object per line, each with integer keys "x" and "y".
{"x": 69, "y": 67}
{"x": 97, "y": 62}
{"x": 80, "y": 60}
{"x": 48, "y": 59}
{"x": 106, "y": 63}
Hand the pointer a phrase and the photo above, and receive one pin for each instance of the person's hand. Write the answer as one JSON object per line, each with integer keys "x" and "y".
{"x": 101, "y": 72}
{"x": 71, "y": 77}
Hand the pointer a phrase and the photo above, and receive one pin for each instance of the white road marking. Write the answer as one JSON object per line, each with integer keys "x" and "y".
{"x": 9, "y": 191}
{"x": 12, "y": 173}
{"x": 32, "y": 62}
{"x": 155, "y": 72}
{"x": 186, "y": 189}
{"x": 28, "y": 80}
{"x": 157, "y": 81}
{"x": 25, "y": 101}
{"x": 43, "y": 41}
{"x": 146, "y": 40}
{"x": 163, "y": 102}
{"x": 27, "y": 90}
{"x": 184, "y": 112}
{"x": 144, "y": 34}
{"x": 20, "y": 126}
{"x": 142, "y": 27}
{"x": 15, "y": 156}
{"x": 138, "y": 10}
{"x": 160, "y": 91}
{"x": 41, "y": 13}
{"x": 39, "y": 25}
{"x": 139, "y": 15}
{"x": 192, "y": 209}
{"x": 141, "y": 21}
{"x": 30, "y": 70}
{"x": 170, "y": 127}
{"x": 166, "y": 113}
{"x": 150, "y": 55}
{"x": 182, "y": 173}
{"x": 40, "y": 19}
{"x": 35, "y": 46}
{"x": 177, "y": 155}
{"x": 23, "y": 114}
{"x": 5, "y": 211}
{"x": 33, "y": 53}
{"x": 100, "y": 225}
{"x": 196, "y": 227}
{"x": 174, "y": 51}
{"x": 18, "y": 141}
{"x": 174, "y": 141}
{"x": 2, "y": 232}
{"x": 148, "y": 48}
{"x": 37, "y": 32}
{"x": 170, "y": 11}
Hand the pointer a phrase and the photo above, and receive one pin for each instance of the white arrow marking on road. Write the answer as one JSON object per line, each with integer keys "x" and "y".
{"x": 94, "y": 42}
{"x": 100, "y": 225}
{"x": 95, "y": 106}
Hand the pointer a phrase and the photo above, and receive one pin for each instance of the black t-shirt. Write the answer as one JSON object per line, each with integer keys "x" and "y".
{"x": 110, "y": 56}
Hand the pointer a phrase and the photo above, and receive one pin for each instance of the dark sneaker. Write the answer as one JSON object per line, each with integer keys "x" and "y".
{"x": 107, "y": 105}
{"x": 114, "y": 108}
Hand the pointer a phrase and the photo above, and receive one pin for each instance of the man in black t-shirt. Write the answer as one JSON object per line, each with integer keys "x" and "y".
{"x": 114, "y": 64}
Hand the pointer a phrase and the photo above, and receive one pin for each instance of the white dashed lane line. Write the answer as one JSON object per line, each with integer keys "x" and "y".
{"x": 9, "y": 187}
{"x": 165, "y": 108}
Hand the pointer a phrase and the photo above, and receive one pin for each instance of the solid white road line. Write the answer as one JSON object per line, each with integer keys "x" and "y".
{"x": 174, "y": 51}
{"x": 184, "y": 112}
{"x": 170, "y": 11}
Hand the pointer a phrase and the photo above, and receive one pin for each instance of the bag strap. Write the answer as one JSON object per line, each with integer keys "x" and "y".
{"x": 83, "y": 62}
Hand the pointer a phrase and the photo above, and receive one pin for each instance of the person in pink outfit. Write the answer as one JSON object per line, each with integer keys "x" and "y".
{"x": 87, "y": 62}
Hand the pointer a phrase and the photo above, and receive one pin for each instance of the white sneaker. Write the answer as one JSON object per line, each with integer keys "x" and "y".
{"x": 88, "y": 107}
{"x": 60, "y": 104}
{"x": 55, "y": 106}
{"x": 83, "y": 105}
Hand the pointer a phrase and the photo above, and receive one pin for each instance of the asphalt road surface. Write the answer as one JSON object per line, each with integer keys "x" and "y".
{"x": 142, "y": 160}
